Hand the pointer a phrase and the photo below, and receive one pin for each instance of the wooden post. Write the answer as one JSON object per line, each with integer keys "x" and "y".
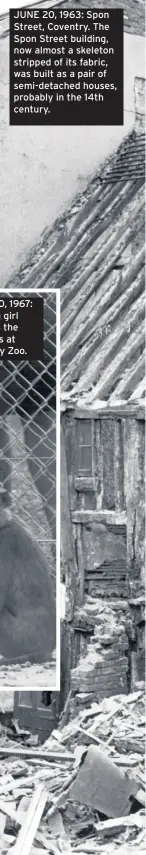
{"x": 134, "y": 465}
{"x": 67, "y": 548}
{"x": 118, "y": 466}
{"x": 81, "y": 564}
{"x": 139, "y": 98}
{"x": 70, "y": 572}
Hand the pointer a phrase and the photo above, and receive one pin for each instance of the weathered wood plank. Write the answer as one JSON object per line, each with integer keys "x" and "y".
{"x": 104, "y": 516}
{"x": 112, "y": 345}
{"x": 140, "y": 389}
{"x": 110, "y": 373}
{"x": 107, "y": 434}
{"x": 111, "y": 206}
{"x": 37, "y": 753}
{"x": 116, "y": 293}
{"x": 107, "y": 255}
{"x": 99, "y": 452}
{"x": 71, "y": 449}
{"x": 31, "y": 822}
{"x": 66, "y": 661}
{"x": 68, "y": 558}
{"x": 81, "y": 566}
{"x": 131, "y": 379}
{"x": 134, "y": 487}
{"x": 118, "y": 467}
{"x": 84, "y": 484}
{"x": 120, "y": 409}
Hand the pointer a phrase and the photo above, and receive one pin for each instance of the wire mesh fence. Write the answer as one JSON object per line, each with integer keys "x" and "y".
{"x": 28, "y": 438}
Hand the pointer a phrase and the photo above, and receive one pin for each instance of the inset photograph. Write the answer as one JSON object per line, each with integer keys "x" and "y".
{"x": 29, "y": 606}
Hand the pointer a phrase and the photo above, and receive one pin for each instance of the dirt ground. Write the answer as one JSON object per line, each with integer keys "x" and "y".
{"x": 29, "y": 676}
{"x": 42, "y": 169}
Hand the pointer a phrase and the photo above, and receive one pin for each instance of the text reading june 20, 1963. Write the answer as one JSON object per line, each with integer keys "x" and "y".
{"x": 66, "y": 67}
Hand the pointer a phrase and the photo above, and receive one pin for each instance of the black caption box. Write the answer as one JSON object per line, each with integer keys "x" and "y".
{"x": 21, "y": 328}
{"x": 66, "y": 67}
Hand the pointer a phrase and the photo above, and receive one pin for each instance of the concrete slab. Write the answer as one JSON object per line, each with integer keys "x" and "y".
{"x": 102, "y": 786}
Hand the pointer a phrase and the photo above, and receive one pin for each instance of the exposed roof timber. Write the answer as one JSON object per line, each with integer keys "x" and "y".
{"x": 78, "y": 231}
{"x": 107, "y": 210}
{"x": 114, "y": 295}
{"x": 104, "y": 259}
{"x": 100, "y": 220}
{"x": 103, "y": 332}
{"x": 62, "y": 277}
{"x": 77, "y": 368}
{"x": 131, "y": 377}
{"x": 140, "y": 389}
{"x": 86, "y": 209}
{"x": 35, "y": 271}
{"x": 112, "y": 346}
{"x": 52, "y": 252}
{"x": 61, "y": 264}
{"x": 118, "y": 364}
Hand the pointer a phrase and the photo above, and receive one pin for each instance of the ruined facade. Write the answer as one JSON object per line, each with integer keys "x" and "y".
{"x": 36, "y": 711}
{"x": 103, "y": 421}
{"x": 95, "y": 256}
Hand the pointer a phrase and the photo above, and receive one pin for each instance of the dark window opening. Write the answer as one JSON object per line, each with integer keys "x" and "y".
{"x": 46, "y": 699}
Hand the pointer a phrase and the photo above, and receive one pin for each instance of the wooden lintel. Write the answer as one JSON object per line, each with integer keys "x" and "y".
{"x": 121, "y": 409}
{"x": 104, "y": 516}
{"x": 83, "y": 485}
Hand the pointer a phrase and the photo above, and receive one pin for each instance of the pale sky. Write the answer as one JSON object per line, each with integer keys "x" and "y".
{"x": 5, "y": 6}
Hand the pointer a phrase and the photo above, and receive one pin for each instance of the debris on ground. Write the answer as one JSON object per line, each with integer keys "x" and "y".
{"x": 102, "y": 669}
{"x": 43, "y": 808}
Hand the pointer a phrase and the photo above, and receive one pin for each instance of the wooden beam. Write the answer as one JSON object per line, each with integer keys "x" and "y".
{"x": 134, "y": 489}
{"x": 120, "y": 409}
{"x": 118, "y": 466}
{"x": 31, "y": 822}
{"x": 14, "y": 815}
{"x": 112, "y": 358}
{"x": 84, "y": 484}
{"x": 108, "y": 349}
{"x": 104, "y": 516}
{"x": 131, "y": 379}
{"x": 107, "y": 256}
{"x": 67, "y": 548}
{"x": 28, "y": 753}
{"x": 140, "y": 389}
{"x": 115, "y": 294}
{"x": 111, "y": 205}
{"x": 81, "y": 565}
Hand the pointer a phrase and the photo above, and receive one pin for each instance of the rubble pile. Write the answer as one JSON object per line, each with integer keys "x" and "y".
{"x": 103, "y": 656}
{"x": 46, "y": 794}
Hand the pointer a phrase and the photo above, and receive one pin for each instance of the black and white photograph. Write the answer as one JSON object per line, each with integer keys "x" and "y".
{"x": 72, "y": 476}
{"x": 28, "y": 518}
{"x": 50, "y": 166}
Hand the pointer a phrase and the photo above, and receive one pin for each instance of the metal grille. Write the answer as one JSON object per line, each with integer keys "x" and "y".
{"x": 28, "y": 438}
